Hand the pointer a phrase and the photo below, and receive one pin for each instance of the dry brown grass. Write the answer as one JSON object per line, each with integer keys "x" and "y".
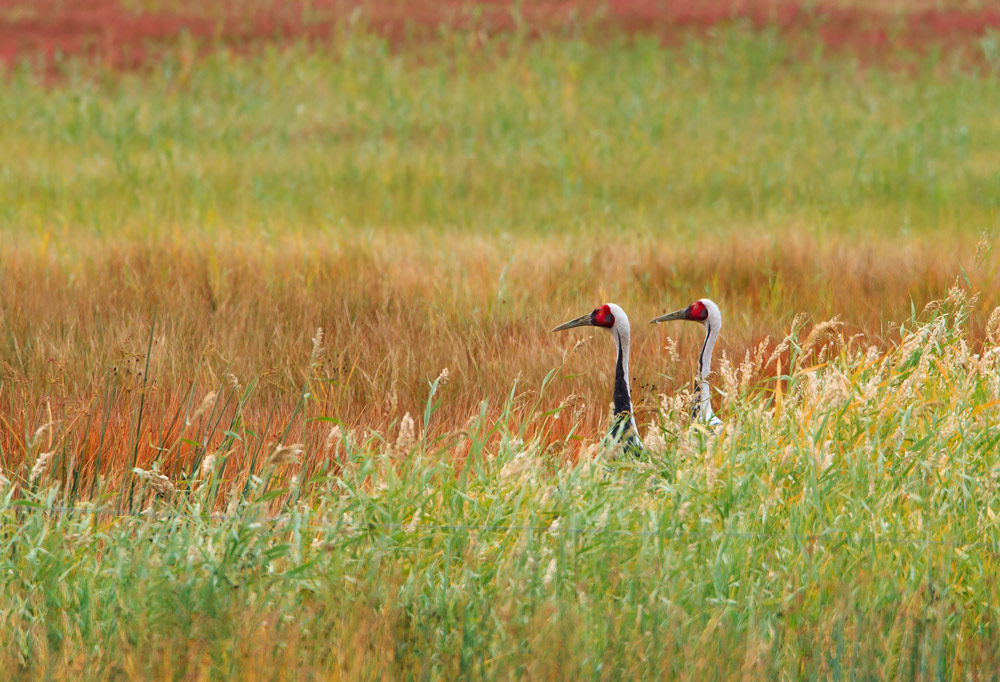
{"x": 396, "y": 310}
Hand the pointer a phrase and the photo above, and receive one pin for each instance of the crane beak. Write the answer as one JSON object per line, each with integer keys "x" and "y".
{"x": 676, "y": 315}
{"x": 582, "y": 321}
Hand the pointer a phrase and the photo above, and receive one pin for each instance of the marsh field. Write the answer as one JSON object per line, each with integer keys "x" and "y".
{"x": 278, "y": 396}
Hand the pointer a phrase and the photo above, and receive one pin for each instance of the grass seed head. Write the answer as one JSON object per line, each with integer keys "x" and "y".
{"x": 285, "y": 454}
{"x": 550, "y": 573}
{"x": 820, "y": 334}
{"x": 654, "y": 440}
{"x": 983, "y": 247}
{"x": 571, "y": 351}
{"x": 517, "y": 469}
{"x": 317, "y": 347}
{"x": 207, "y": 465}
{"x": 407, "y": 435}
{"x": 993, "y": 327}
{"x": 411, "y": 527}
{"x": 673, "y": 357}
{"x": 443, "y": 377}
{"x": 206, "y": 403}
{"x": 234, "y": 502}
{"x": 332, "y": 442}
{"x": 41, "y": 464}
{"x": 46, "y": 427}
{"x": 778, "y": 351}
{"x": 159, "y": 483}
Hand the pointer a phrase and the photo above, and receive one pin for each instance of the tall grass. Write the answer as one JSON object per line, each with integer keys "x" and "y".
{"x": 90, "y": 340}
{"x": 844, "y": 525}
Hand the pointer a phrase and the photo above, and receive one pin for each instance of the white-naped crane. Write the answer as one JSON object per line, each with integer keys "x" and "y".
{"x": 705, "y": 312}
{"x": 613, "y": 318}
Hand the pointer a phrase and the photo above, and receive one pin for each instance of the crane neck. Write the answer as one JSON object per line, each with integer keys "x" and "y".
{"x": 624, "y": 421}
{"x": 705, "y": 369}
{"x": 623, "y": 392}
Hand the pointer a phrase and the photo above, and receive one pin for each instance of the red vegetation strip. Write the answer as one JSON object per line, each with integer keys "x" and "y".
{"x": 122, "y": 37}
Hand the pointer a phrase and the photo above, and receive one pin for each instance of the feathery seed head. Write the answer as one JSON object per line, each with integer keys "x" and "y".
{"x": 285, "y": 454}
{"x": 206, "y": 403}
{"x": 443, "y": 377}
{"x": 993, "y": 327}
{"x": 550, "y": 573}
{"x": 317, "y": 347}
{"x": 654, "y": 440}
{"x": 821, "y": 333}
{"x": 47, "y": 426}
{"x": 39, "y": 467}
{"x": 411, "y": 527}
{"x": 333, "y": 439}
{"x": 407, "y": 435}
{"x": 207, "y": 465}
{"x": 159, "y": 483}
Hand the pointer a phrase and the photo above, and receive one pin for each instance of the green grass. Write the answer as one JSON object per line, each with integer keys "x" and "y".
{"x": 844, "y": 528}
{"x": 552, "y": 135}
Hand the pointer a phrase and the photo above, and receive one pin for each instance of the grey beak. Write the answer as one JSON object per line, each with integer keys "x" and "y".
{"x": 676, "y": 315}
{"x": 582, "y": 321}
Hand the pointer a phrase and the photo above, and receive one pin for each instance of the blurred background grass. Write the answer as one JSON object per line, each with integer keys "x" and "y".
{"x": 734, "y": 133}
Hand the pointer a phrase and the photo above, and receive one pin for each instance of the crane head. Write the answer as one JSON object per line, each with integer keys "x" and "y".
{"x": 699, "y": 311}
{"x": 602, "y": 316}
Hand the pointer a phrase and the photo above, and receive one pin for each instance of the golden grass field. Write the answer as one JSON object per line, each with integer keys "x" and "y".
{"x": 396, "y": 310}
{"x": 172, "y": 238}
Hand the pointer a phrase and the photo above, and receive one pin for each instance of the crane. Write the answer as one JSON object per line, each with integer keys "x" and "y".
{"x": 613, "y": 318}
{"x": 705, "y": 312}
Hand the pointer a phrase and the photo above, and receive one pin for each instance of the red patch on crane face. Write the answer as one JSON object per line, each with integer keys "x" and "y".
{"x": 602, "y": 317}
{"x": 697, "y": 311}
